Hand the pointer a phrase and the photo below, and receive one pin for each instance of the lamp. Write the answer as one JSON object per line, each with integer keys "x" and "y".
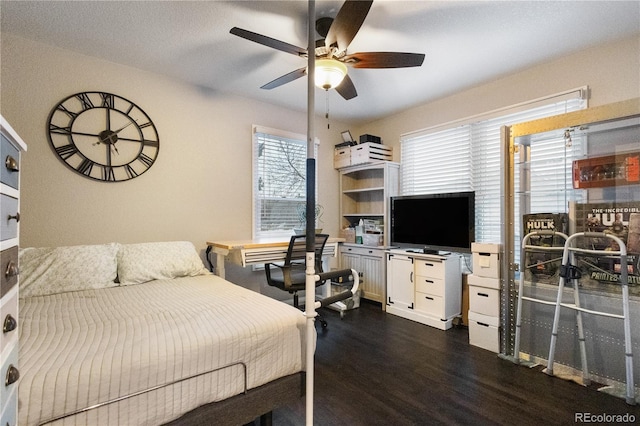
{"x": 329, "y": 73}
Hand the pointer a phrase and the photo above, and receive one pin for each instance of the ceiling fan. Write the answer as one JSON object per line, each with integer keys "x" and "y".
{"x": 331, "y": 54}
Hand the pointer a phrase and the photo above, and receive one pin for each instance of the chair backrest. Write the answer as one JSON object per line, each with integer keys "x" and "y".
{"x": 298, "y": 249}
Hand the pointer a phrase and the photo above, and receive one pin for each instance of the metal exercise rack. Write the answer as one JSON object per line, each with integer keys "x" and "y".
{"x": 525, "y": 248}
{"x": 569, "y": 271}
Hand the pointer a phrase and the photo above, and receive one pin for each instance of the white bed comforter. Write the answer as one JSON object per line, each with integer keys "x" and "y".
{"x": 85, "y": 347}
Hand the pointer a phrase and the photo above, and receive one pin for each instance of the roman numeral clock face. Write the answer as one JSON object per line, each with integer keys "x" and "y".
{"x": 103, "y": 136}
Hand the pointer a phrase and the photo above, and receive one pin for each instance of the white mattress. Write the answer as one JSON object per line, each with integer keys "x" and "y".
{"x": 85, "y": 347}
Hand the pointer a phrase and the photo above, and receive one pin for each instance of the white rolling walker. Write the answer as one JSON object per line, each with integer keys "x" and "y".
{"x": 571, "y": 272}
{"x": 525, "y": 248}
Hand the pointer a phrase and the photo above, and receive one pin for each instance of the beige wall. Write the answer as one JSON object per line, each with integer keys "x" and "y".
{"x": 199, "y": 189}
{"x": 612, "y": 72}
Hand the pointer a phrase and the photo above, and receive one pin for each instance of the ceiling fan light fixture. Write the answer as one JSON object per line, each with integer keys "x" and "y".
{"x": 329, "y": 73}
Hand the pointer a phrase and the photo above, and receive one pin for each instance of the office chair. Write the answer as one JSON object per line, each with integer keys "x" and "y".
{"x": 291, "y": 275}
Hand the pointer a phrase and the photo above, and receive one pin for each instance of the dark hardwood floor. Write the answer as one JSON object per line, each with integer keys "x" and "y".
{"x": 374, "y": 368}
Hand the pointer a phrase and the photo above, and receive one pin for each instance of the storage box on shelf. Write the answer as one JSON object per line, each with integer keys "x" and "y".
{"x": 342, "y": 157}
{"x": 10, "y": 148}
{"x": 363, "y": 153}
{"x": 484, "y": 297}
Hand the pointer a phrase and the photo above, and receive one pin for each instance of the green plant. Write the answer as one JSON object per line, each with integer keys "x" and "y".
{"x": 302, "y": 214}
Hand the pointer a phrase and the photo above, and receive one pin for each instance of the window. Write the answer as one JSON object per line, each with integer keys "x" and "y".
{"x": 466, "y": 157}
{"x": 279, "y": 181}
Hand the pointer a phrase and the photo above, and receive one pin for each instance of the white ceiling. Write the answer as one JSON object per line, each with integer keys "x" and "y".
{"x": 466, "y": 43}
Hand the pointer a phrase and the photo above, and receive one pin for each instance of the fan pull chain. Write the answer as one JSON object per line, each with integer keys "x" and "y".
{"x": 326, "y": 114}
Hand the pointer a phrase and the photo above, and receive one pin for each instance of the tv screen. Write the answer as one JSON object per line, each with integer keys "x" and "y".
{"x": 436, "y": 222}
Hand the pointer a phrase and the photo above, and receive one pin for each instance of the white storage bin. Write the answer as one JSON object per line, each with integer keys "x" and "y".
{"x": 486, "y": 260}
{"x": 484, "y": 331}
{"x": 369, "y": 152}
{"x": 485, "y": 301}
{"x": 478, "y": 281}
{"x": 342, "y": 157}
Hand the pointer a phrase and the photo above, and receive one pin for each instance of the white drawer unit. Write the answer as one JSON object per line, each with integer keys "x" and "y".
{"x": 429, "y": 303}
{"x": 424, "y": 288}
{"x": 9, "y": 319}
{"x": 486, "y": 259}
{"x": 11, "y": 145}
{"x": 484, "y": 331}
{"x": 484, "y": 297}
{"x": 485, "y": 301}
{"x": 10, "y": 375}
{"x": 434, "y": 268}
{"x": 429, "y": 285}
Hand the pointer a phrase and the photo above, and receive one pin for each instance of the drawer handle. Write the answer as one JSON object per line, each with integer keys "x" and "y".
{"x": 428, "y": 298}
{"x": 429, "y": 281}
{"x": 10, "y": 324}
{"x": 16, "y": 217}
{"x": 483, "y": 294}
{"x": 11, "y": 164}
{"x": 12, "y": 375}
{"x": 428, "y": 264}
{"x": 12, "y": 270}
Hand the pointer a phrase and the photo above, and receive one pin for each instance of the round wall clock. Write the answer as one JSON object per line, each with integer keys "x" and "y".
{"x": 103, "y": 136}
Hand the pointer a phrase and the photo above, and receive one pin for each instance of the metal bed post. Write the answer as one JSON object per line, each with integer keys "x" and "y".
{"x": 311, "y": 277}
{"x": 311, "y": 217}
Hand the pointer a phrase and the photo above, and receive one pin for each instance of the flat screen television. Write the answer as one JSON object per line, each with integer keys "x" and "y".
{"x": 434, "y": 222}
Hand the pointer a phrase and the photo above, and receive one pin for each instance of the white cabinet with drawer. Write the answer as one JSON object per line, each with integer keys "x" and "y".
{"x": 11, "y": 146}
{"x": 370, "y": 264}
{"x": 424, "y": 288}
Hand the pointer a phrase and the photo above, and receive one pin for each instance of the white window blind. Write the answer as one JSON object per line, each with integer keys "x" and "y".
{"x": 466, "y": 157}
{"x": 279, "y": 181}
{"x": 440, "y": 162}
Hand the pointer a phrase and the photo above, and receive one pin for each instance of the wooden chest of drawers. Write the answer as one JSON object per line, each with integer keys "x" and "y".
{"x": 11, "y": 145}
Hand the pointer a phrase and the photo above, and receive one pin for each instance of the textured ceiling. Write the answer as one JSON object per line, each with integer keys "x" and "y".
{"x": 466, "y": 43}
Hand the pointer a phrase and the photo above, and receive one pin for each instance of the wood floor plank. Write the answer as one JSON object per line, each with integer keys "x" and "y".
{"x": 374, "y": 368}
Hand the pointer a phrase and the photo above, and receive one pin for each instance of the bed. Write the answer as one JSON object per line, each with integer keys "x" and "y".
{"x": 99, "y": 323}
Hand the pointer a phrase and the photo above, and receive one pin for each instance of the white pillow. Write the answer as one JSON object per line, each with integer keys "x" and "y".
{"x": 139, "y": 263}
{"x": 51, "y": 270}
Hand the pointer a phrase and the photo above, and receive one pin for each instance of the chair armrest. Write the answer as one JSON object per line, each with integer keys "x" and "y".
{"x": 267, "y": 270}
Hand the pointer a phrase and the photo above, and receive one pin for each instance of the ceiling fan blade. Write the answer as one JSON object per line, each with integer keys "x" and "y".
{"x": 384, "y": 60}
{"x": 347, "y": 23}
{"x": 268, "y": 41}
{"x": 346, "y": 89}
{"x": 287, "y": 78}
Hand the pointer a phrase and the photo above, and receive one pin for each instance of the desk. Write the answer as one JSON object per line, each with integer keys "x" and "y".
{"x": 258, "y": 251}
